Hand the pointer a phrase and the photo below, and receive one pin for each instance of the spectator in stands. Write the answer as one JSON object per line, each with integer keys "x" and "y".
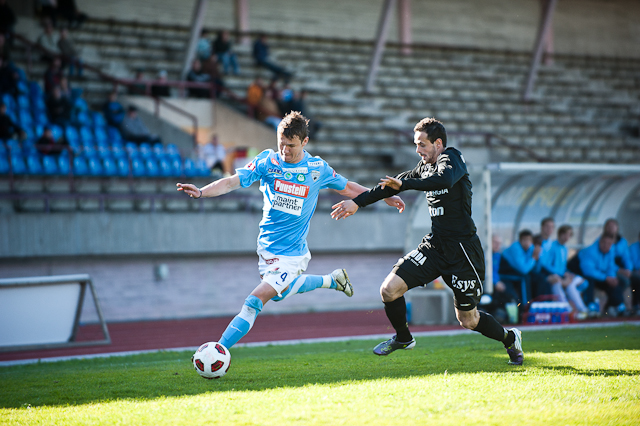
{"x": 621, "y": 251}
{"x": 203, "y": 48}
{"x": 214, "y": 155}
{"x": 8, "y": 78}
{"x": 598, "y": 266}
{"x": 68, "y": 10}
{"x": 261, "y": 57}
{"x": 8, "y": 20}
{"x": 52, "y": 76}
{"x": 223, "y": 50}
{"x": 541, "y": 280}
{"x": 48, "y": 41}
{"x": 5, "y": 50}
{"x": 113, "y": 110}
{"x": 47, "y": 145}
{"x": 268, "y": 111}
{"x": 138, "y": 87}
{"x": 197, "y": 75}
{"x": 8, "y": 128}
{"x": 161, "y": 90}
{"x": 134, "y": 130}
{"x": 634, "y": 255}
{"x": 255, "y": 92}
{"x": 564, "y": 284}
{"x": 70, "y": 55}
{"x": 65, "y": 89}
{"x": 503, "y": 292}
{"x": 299, "y": 103}
{"x": 59, "y": 108}
{"x": 518, "y": 261}
{"x": 284, "y": 99}
{"x": 211, "y": 67}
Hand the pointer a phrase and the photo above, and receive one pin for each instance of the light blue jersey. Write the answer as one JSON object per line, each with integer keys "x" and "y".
{"x": 290, "y": 198}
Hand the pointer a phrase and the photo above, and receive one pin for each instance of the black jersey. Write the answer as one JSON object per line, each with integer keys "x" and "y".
{"x": 448, "y": 189}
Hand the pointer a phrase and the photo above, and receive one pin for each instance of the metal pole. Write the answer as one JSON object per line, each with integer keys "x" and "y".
{"x": 404, "y": 26}
{"x": 488, "y": 235}
{"x": 539, "y": 48}
{"x": 242, "y": 20}
{"x": 199, "y": 10}
{"x": 381, "y": 38}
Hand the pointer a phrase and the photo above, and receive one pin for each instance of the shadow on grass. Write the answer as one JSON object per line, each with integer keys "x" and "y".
{"x": 170, "y": 374}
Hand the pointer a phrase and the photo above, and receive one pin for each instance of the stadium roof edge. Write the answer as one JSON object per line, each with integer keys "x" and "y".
{"x": 557, "y": 167}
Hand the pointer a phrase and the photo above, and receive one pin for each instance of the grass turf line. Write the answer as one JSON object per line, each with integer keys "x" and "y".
{"x": 570, "y": 376}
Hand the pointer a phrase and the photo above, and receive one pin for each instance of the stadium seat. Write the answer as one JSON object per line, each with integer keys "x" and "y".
{"x": 71, "y": 133}
{"x": 23, "y": 87}
{"x": 158, "y": 150}
{"x": 23, "y": 102}
{"x": 95, "y": 166}
{"x": 8, "y": 100}
{"x": 80, "y": 167}
{"x": 101, "y": 136}
{"x": 56, "y": 131}
{"x": 117, "y": 151}
{"x": 202, "y": 169}
{"x": 165, "y": 167}
{"x": 176, "y": 166}
{"x": 81, "y": 118}
{"x": 145, "y": 150}
{"x": 114, "y": 134}
{"x": 14, "y": 146}
{"x": 38, "y": 105}
{"x": 41, "y": 118}
{"x": 4, "y": 165}
{"x": 25, "y": 118}
{"x": 63, "y": 165}
{"x": 3, "y": 149}
{"x": 151, "y": 167}
{"x": 110, "y": 167}
{"x": 18, "y": 165}
{"x": 34, "y": 167}
{"x": 132, "y": 149}
{"x": 122, "y": 163}
{"x": 189, "y": 169}
{"x": 49, "y": 165}
{"x": 172, "y": 149}
{"x": 98, "y": 120}
{"x": 137, "y": 167}
{"x": 89, "y": 150}
{"x": 29, "y": 147}
{"x": 86, "y": 135}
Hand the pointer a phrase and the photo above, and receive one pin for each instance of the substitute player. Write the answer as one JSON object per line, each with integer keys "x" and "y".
{"x": 452, "y": 250}
{"x": 290, "y": 180}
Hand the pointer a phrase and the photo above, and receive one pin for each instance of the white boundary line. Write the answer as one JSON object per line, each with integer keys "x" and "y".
{"x": 528, "y": 328}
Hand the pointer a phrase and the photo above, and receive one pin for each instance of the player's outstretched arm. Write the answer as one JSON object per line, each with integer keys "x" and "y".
{"x": 214, "y": 189}
{"x": 347, "y": 208}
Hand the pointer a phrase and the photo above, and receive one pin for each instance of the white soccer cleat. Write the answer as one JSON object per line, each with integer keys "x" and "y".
{"x": 342, "y": 280}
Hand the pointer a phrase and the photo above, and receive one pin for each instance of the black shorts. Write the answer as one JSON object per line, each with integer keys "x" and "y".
{"x": 459, "y": 262}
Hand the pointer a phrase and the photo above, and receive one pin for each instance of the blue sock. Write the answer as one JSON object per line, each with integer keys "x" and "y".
{"x": 242, "y": 323}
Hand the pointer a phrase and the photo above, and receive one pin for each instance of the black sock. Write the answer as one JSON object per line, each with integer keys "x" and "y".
{"x": 397, "y": 313}
{"x": 489, "y": 327}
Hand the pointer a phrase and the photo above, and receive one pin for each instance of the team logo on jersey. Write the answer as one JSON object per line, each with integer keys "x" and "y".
{"x": 300, "y": 177}
{"x": 288, "y": 175}
{"x": 274, "y": 171}
{"x": 462, "y": 285}
{"x": 270, "y": 261}
{"x": 314, "y": 163}
{"x": 437, "y": 192}
{"x": 315, "y": 175}
{"x": 291, "y": 188}
{"x": 250, "y": 166}
{"x": 297, "y": 170}
{"x": 417, "y": 257}
{"x": 275, "y": 162}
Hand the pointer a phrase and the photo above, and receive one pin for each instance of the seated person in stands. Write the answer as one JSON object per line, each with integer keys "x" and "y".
{"x": 52, "y": 76}
{"x": 8, "y": 78}
{"x": 503, "y": 292}
{"x": 203, "y": 48}
{"x": 134, "y": 130}
{"x": 59, "y": 108}
{"x": 223, "y": 50}
{"x": 621, "y": 251}
{"x": 268, "y": 110}
{"x": 47, "y": 145}
{"x": 518, "y": 261}
{"x": 214, "y": 155}
{"x": 70, "y": 54}
{"x": 48, "y": 41}
{"x": 634, "y": 255}
{"x": 8, "y": 128}
{"x": 261, "y": 57}
{"x": 255, "y": 92}
{"x": 598, "y": 266}
{"x": 113, "y": 110}
{"x": 197, "y": 75}
{"x": 540, "y": 278}
{"x": 564, "y": 284}
{"x": 160, "y": 90}
{"x": 139, "y": 87}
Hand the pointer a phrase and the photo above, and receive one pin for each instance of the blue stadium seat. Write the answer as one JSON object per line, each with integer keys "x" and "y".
{"x": 123, "y": 166}
{"x": 95, "y": 166}
{"x": 158, "y": 150}
{"x": 22, "y": 76}
{"x": 110, "y": 167}
{"x": 29, "y": 147}
{"x": 114, "y": 134}
{"x": 80, "y": 167}
{"x": 117, "y": 151}
{"x": 86, "y": 135}
{"x": 4, "y": 165}
{"x": 34, "y": 167}
{"x": 98, "y": 119}
{"x": 137, "y": 167}
{"x": 41, "y": 118}
{"x": 23, "y": 102}
{"x": 23, "y": 87}
{"x": 8, "y": 100}
{"x": 189, "y": 168}
{"x": 172, "y": 149}
{"x": 38, "y": 105}
{"x": 81, "y": 118}
{"x": 3, "y": 149}
{"x": 14, "y": 146}
{"x": 176, "y": 166}
{"x": 25, "y": 118}
{"x": 56, "y": 131}
{"x": 89, "y": 150}
{"x": 71, "y": 134}
{"x": 101, "y": 136}
{"x": 63, "y": 164}
{"x": 132, "y": 149}
{"x": 202, "y": 168}
{"x": 18, "y": 165}
{"x": 49, "y": 165}
{"x": 35, "y": 91}
{"x": 151, "y": 167}
{"x": 145, "y": 150}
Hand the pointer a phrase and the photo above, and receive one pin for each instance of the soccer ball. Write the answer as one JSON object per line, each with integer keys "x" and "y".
{"x": 212, "y": 360}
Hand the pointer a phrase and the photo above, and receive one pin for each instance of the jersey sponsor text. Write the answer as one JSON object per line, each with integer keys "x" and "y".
{"x": 291, "y": 188}
{"x": 436, "y": 211}
{"x": 287, "y": 204}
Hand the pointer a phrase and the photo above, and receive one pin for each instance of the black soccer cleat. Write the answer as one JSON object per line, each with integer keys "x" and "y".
{"x": 516, "y": 356}
{"x": 385, "y": 348}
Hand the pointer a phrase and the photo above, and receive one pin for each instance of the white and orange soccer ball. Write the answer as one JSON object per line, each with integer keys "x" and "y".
{"x": 212, "y": 360}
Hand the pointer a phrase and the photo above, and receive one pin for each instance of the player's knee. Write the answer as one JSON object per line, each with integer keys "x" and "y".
{"x": 468, "y": 320}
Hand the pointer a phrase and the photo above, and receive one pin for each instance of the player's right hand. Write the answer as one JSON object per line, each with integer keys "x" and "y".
{"x": 189, "y": 189}
{"x": 344, "y": 209}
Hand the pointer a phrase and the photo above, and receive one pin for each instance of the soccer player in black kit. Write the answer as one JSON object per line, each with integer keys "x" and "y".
{"x": 452, "y": 250}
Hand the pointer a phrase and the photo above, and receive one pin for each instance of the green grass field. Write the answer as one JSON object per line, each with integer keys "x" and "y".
{"x": 570, "y": 377}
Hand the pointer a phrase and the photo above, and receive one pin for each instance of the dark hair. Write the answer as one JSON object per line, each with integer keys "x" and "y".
{"x": 524, "y": 233}
{"x": 433, "y": 128}
{"x": 537, "y": 240}
{"x": 294, "y": 124}
{"x": 564, "y": 229}
{"x": 546, "y": 219}
{"x": 608, "y": 221}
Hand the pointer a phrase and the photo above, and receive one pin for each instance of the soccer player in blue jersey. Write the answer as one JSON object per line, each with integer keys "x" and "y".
{"x": 290, "y": 180}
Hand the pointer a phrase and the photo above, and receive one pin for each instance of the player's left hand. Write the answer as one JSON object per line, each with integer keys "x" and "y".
{"x": 391, "y": 182}
{"x": 344, "y": 209}
{"x": 396, "y": 202}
